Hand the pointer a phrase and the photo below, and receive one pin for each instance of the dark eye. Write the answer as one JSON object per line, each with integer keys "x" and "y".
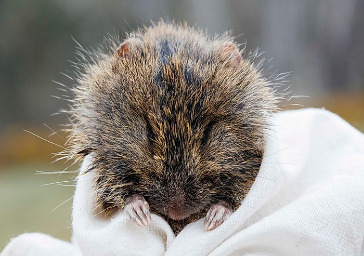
{"x": 150, "y": 132}
{"x": 206, "y": 133}
{"x": 85, "y": 151}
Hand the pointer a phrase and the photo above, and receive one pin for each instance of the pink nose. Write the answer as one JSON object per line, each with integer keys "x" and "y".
{"x": 176, "y": 214}
{"x": 176, "y": 207}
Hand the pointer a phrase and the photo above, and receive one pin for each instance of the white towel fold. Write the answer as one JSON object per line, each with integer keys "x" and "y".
{"x": 308, "y": 199}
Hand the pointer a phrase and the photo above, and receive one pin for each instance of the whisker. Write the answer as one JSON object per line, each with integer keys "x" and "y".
{"x": 61, "y": 183}
{"x": 97, "y": 214}
{"x": 53, "y": 132}
{"x": 37, "y": 172}
{"x": 62, "y": 203}
{"x": 65, "y": 169}
{"x": 43, "y": 139}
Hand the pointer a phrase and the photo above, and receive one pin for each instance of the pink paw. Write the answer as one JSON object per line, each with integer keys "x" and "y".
{"x": 216, "y": 215}
{"x": 138, "y": 210}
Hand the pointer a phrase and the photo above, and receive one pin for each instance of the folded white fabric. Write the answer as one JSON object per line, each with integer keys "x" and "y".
{"x": 37, "y": 244}
{"x": 308, "y": 199}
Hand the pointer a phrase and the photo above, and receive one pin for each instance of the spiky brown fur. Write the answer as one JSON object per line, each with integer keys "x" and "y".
{"x": 173, "y": 119}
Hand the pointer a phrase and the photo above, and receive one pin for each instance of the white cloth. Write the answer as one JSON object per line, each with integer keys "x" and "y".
{"x": 37, "y": 244}
{"x": 308, "y": 199}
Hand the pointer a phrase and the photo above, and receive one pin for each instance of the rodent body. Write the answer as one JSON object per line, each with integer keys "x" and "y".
{"x": 175, "y": 121}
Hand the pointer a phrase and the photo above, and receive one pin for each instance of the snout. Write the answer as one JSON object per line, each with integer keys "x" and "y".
{"x": 176, "y": 207}
{"x": 177, "y": 214}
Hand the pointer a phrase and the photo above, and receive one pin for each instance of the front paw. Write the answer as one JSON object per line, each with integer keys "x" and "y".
{"x": 138, "y": 210}
{"x": 216, "y": 215}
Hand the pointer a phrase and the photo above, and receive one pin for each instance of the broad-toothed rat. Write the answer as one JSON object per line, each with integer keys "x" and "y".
{"x": 175, "y": 121}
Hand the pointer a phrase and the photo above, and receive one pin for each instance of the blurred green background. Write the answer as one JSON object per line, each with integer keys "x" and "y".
{"x": 320, "y": 42}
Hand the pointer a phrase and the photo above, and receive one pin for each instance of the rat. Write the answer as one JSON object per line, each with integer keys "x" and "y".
{"x": 175, "y": 121}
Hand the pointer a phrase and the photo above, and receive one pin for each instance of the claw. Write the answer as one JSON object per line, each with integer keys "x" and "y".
{"x": 138, "y": 210}
{"x": 216, "y": 215}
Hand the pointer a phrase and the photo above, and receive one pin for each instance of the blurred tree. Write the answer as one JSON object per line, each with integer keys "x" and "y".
{"x": 32, "y": 48}
{"x": 319, "y": 41}
{"x": 335, "y": 37}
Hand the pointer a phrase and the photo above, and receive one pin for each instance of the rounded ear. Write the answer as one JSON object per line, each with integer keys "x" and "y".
{"x": 124, "y": 49}
{"x": 230, "y": 52}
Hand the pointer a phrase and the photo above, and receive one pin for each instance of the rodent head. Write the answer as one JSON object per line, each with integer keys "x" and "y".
{"x": 174, "y": 116}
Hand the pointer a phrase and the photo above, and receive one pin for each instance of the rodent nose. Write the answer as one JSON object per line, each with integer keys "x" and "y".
{"x": 176, "y": 207}
{"x": 176, "y": 214}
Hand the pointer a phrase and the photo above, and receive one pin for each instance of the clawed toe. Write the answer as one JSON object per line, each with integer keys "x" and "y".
{"x": 138, "y": 210}
{"x": 216, "y": 215}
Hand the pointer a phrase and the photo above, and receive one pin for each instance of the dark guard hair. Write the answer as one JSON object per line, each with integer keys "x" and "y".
{"x": 172, "y": 115}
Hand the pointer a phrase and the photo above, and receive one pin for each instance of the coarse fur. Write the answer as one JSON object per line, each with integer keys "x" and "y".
{"x": 177, "y": 118}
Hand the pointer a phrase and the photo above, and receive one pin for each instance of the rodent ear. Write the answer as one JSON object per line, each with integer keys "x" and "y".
{"x": 131, "y": 44}
{"x": 230, "y": 52}
{"x": 124, "y": 49}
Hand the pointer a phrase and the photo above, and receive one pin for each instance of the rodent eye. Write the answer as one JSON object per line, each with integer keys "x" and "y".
{"x": 206, "y": 133}
{"x": 150, "y": 133}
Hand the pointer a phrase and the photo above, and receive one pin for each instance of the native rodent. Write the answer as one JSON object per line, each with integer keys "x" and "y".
{"x": 175, "y": 121}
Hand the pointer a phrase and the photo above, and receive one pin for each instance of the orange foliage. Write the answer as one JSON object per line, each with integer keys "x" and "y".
{"x": 350, "y": 107}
